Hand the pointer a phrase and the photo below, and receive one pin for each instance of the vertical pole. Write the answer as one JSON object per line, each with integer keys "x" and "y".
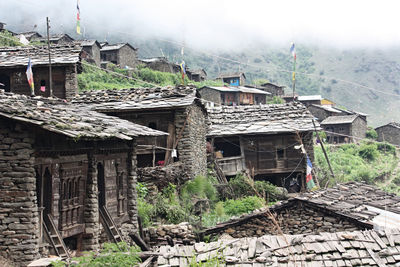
{"x": 294, "y": 77}
{"x": 323, "y": 150}
{"x": 48, "y": 46}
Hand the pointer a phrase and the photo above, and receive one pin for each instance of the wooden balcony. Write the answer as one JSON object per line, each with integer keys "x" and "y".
{"x": 231, "y": 165}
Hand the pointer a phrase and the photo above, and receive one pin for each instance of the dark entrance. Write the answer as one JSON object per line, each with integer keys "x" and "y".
{"x": 101, "y": 185}
{"x": 5, "y": 82}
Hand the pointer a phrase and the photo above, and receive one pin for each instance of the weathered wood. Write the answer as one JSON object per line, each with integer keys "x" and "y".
{"x": 147, "y": 262}
{"x": 139, "y": 241}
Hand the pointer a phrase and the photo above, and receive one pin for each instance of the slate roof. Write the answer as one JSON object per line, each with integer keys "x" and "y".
{"x": 56, "y": 37}
{"x": 108, "y": 47}
{"x": 366, "y": 248}
{"x": 18, "y": 56}
{"x": 87, "y": 42}
{"x": 346, "y": 119}
{"x": 29, "y": 35}
{"x": 393, "y": 124}
{"x": 119, "y": 100}
{"x": 259, "y": 119}
{"x": 75, "y": 121}
{"x": 363, "y": 202}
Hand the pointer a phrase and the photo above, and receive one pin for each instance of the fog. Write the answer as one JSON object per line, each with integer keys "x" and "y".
{"x": 217, "y": 24}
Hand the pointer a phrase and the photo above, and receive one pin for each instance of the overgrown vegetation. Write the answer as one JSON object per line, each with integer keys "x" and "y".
{"x": 370, "y": 162}
{"x": 121, "y": 255}
{"x": 94, "y": 78}
{"x": 199, "y": 202}
{"x": 371, "y": 133}
{"x": 7, "y": 39}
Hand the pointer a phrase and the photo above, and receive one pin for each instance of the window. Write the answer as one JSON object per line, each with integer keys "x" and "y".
{"x": 280, "y": 153}
{"x": 153, "y": 125}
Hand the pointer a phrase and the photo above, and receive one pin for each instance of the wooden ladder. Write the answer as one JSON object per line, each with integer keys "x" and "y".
{"x": 55, "y": 238}
{"x": 110, "y": 225}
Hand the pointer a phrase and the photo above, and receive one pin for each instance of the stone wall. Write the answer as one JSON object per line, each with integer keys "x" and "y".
{"x": 319, "y": 113}
{"x": 170, "y": 233}
{"x": 359, "y": 129}
{"x": 211, "y": 95}
{"x": 19, "y": 221}
{"x": 127, "y": 57}
{"x": 389, "y": 134}
{"x": 298, "y": 219}
{"x": 192, "y": 143}
{"x": 71, "y": 82}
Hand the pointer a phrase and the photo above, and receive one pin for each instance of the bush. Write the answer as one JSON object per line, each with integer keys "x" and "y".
{"x": 371, "y": 133}
{"x": 368, "y": 151}
{"x": 145, "y": 211}
{"x": 267, "y": 189}
{"x": 241, "y": 186}
{"x": 244, "y": 205}
{"x": 387, "y": 148}
{"x": 199, "y": 187}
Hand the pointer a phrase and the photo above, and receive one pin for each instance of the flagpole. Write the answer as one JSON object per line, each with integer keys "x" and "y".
{"x": 48, "y": 46}
{"x": 294, "y": 76}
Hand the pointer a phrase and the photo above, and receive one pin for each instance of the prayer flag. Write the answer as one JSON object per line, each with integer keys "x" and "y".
{"x": 293, "y": 51}
{"x": 183, "y": 71}
{"x": 78, "y": 18}
{"x": 309, "y": 180}
{"x": 29, "y": 76}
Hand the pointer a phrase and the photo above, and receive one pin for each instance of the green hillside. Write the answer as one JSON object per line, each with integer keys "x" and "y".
{"x": 333, "y": 73}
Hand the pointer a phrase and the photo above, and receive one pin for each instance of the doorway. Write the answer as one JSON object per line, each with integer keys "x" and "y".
{"x": 101, "y": 185}
{"x": 5, "y": 82}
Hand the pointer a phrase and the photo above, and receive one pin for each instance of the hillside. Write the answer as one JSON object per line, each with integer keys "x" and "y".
{"x": 319, "y": 71}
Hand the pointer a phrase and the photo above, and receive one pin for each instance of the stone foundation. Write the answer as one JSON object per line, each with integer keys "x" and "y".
{"x": 165, "y": 234}
{"x": 19, "y": 219}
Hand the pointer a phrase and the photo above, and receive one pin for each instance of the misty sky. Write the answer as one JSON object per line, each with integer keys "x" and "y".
{"x": 219, "y": 24}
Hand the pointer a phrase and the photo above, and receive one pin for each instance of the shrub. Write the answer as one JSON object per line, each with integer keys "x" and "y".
{"x": 245, "y": 205}
{"x": 267, "y": 189}
{"x": 368, "y": 151}
{"x": 241, "y": 186}
{"x": 371, "y": 133}
{"x": 386, "y": 147}
{"x": 199, "y": 187}
{"x": 145, "y": 211}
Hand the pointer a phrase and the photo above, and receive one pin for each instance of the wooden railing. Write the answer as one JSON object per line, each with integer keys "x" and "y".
{"x": 231, "y": 165}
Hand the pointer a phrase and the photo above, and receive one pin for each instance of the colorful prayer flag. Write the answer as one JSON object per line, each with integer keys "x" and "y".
{"x": 29, "y": 76}
{"x": 309, "y": 180}
{"x": 183, "y": 71}
{"x": 78, "y": 18}
{"x": 293, "y": 51}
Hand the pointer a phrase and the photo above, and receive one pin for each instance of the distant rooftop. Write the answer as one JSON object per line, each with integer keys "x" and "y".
{"x": 241, "y": 89}
{"x": 339, "y": 119}
{"x": 309, "y": 97}
{"x": 108, "y": 47}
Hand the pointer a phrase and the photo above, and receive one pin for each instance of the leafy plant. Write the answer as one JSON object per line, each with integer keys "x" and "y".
{"x": 118, "y": 255}
{"x": 371, "y": 133}
{"x": 244, "y": 205}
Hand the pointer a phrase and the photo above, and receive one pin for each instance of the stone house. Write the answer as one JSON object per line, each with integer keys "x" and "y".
{"x": 91, "y": 50}
{"x": 124, "y": 55}
{"x": 321, "y": 112}
{"x": 308, "y": 100}
{"x": 344, "y": 129}
{"x": 233, "y": 95}
{"x": 65, "y": 67}
{"x": 261, "y": 140}
{"x": 160, "y": 64}
{"x": 177, "y": 111}
{"x": 273, "y": 89}
{"x": 62, "y": 167}
{"x": 31, "y": 36}
{"x": 61, "y": 38}
{"x": 233, "y": 79}
{"x": 389, "y": 133}
{"x": 198, "y": 75}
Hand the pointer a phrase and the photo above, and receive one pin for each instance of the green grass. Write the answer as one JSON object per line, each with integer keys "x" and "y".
{"x": 369, "y": 162}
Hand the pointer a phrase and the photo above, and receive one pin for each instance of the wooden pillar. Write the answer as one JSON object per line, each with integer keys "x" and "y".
{"x": 91, "y": 214}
